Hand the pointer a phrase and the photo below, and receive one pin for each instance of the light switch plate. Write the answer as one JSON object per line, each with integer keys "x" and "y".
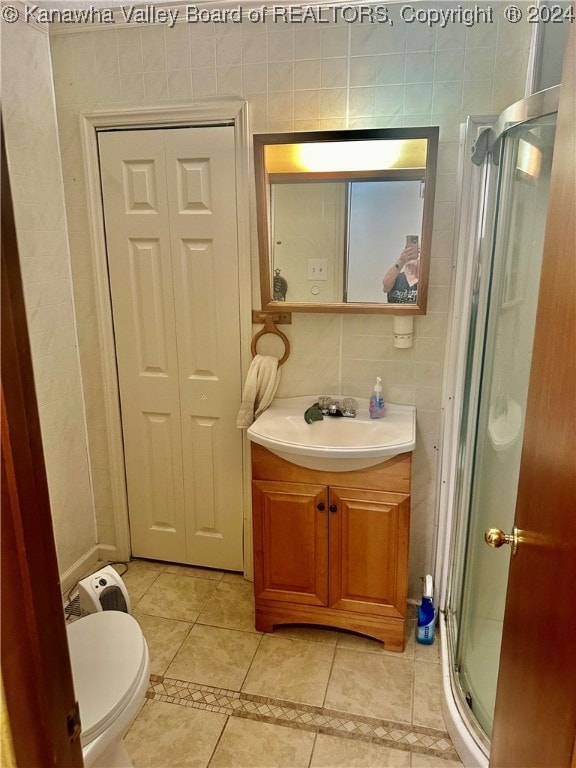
{"x": 317, "y": 269}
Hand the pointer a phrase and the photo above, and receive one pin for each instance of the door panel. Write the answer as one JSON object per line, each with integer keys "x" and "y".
{"x": 170, "y": 216}
{"x": 202, "y": 207}
{"x": 290, "y": 535}
{"x": 149, "y": 305}
{"x": 535, "y": 715}
{"x": 36, "y": 689}
{"x": 141, "y": 186}
{"x": 161, "y": 472}
{"x": 367, "y": 531}
{"x": 141, "y": 278}
{"x": 196, "y": 297}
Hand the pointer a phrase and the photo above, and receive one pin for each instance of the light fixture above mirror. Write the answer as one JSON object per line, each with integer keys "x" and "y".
{"x": 336, "y": 211}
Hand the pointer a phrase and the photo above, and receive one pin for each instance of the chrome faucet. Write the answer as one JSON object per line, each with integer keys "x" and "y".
{"x": 330, "y": 407}
{"x": 350, "y": 407}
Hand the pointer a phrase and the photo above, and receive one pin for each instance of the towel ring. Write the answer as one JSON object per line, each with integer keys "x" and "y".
{"x": 270, "y": 327}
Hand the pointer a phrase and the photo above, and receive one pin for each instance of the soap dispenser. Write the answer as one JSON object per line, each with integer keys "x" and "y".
{"x": 377, "y": 406}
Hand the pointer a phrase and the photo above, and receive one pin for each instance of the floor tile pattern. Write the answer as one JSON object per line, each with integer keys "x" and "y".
{"x": 305, "y": 717}
{"x": 223, "y": 695}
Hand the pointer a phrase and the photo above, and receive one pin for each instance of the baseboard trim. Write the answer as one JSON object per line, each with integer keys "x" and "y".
{"x": 80, "y": 568}
{"x": 108, "y": 553}
{"x": 101, "y": 553}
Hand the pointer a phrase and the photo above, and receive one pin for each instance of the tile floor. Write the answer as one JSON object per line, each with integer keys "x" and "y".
{"x": 225, "y": 696}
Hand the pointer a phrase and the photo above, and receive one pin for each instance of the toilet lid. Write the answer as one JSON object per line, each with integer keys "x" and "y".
{"x": 107, "y": 652}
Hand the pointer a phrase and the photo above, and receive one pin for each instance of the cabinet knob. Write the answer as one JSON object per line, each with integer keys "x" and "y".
{"x": 321, "y": 507}
{"x": 333, "y": 508}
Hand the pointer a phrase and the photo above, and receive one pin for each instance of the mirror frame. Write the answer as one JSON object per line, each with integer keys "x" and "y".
{"x": 263, "y": 213}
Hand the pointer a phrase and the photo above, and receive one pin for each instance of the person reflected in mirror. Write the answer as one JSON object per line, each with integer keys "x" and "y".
{"x": 400, "y": 283}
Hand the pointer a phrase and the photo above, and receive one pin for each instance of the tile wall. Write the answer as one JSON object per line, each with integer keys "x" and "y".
{"x": 302, "y": 76}
{"x": 36, "y": 175}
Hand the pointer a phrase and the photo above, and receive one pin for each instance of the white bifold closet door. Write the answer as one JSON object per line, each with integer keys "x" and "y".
{"x": 171, "y": 231}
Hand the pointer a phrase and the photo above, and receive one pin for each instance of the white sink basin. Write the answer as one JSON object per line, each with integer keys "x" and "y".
{"x": 334, "y": 444}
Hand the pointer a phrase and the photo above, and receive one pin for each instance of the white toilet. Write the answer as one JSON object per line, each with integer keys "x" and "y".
{"x": 110, "y": 669}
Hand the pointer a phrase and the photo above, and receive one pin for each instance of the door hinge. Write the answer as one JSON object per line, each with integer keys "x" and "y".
{"x": 73, "y": 723}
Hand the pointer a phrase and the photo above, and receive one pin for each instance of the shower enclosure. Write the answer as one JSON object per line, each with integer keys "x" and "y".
{"x": 497, "y": 293}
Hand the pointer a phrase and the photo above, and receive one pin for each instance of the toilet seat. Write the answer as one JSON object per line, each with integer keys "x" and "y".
{"x": 108, "y": 656}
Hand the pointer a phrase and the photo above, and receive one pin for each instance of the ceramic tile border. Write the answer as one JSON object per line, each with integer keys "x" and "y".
{"x": 306, "y": 717}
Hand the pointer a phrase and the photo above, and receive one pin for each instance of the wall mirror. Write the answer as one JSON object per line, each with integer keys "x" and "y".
{"x": 345, "y": 219}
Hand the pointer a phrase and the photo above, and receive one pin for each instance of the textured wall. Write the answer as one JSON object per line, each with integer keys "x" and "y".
{"x": 36, "y": 175}
{"x": 303, "y": 77}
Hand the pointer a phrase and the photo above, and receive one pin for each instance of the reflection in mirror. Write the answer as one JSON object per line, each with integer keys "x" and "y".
{"x": 307, "y": 239}
{"x": 382, "y": 215}
{"x": 344, "y": 219}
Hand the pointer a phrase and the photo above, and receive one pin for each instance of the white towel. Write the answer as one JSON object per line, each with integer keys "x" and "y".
{"x": 259, "y": 389}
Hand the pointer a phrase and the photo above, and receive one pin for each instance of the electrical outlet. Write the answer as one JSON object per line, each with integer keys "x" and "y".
{"x": 317, "y": 269}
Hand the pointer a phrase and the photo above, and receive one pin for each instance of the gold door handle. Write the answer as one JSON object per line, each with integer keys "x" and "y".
{"x": 495, "y": 537}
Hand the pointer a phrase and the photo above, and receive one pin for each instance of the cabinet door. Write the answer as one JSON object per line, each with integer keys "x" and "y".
{"x": 290, "y": 542}
{"x": 368, "y": 551}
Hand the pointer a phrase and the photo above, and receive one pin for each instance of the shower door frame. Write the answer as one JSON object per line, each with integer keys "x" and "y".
{"x": 476, "y": 203}
{"x": 477, "y": 208}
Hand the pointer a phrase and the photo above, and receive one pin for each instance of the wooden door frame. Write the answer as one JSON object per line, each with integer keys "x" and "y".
{"x": 537, "y": 641}
{"x": 202, "y": 112}
{"x": 36, "y": 671}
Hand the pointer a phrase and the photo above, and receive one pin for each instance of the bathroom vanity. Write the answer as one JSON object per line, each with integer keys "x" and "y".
{"x": 331, "y": 547}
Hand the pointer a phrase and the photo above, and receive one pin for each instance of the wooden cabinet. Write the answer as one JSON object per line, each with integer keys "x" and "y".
{"x": 331, "y": 548}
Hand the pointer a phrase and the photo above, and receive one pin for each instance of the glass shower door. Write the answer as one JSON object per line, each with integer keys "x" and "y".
{"x": 525, "y": 163}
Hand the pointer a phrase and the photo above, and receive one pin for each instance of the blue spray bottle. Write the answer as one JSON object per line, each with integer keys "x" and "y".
{"x": 426, "y": 615}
